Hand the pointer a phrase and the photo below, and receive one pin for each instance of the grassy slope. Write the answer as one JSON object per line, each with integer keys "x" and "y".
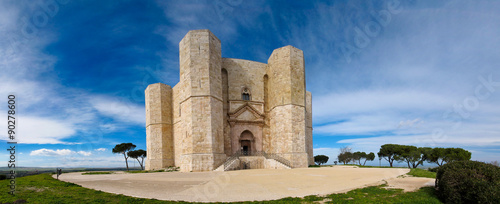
{"x": 422, "y": 173}
{"x": 97, "y": 172}
{"x": 45, "y": 189}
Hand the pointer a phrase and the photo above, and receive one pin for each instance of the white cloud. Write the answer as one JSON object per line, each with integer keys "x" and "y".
{"x": 120, "y": 110}
{"x": 360, "y": 124}
{"x": 38, "y": 130}
{"x": 73, "y": 160}
{"x": 50, "y": 152}
{"x": 384, "y": 102}
{"x": 48, "y": 112}
{"x": 57, "y": 152}
{"x": 84, "y": 153}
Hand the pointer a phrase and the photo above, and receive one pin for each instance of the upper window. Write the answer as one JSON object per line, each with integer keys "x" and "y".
{"x": 245, "y": 95}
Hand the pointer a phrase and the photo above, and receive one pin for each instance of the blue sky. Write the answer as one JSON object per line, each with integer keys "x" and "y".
{"x": 421, "y": 73}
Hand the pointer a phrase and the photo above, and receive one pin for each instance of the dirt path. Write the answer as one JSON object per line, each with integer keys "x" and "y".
{"x": 408, "y": 183}
{"x": 244, "y": 185}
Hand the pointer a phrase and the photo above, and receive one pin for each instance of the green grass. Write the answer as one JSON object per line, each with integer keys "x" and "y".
{"x": 145, "y": 171}
{"x": 98, "y": 172}
{"x": 422, "y": 173}
{"x": 378, "y": 194}
{"x": 361, "y": 166}
{"x": 45, "y": 189}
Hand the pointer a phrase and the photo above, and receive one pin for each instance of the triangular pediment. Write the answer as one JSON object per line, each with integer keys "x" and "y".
{"x": 246, "y": 113}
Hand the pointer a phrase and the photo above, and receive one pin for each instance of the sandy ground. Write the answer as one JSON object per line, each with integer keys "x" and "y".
{"x": 408, "y": 183}
{"x": 245, "y": 185}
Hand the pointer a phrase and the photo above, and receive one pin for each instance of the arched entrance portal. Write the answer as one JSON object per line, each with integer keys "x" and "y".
{"x": 246, "y": 141}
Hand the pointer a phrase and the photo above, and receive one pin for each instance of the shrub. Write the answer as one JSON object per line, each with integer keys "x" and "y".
{"x": 468, "y": 182}
{"x": 435, "y": 169}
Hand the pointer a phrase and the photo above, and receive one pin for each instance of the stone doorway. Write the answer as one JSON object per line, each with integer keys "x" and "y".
{"x": 246, "y": 147}
{"x": 246, "y": 140}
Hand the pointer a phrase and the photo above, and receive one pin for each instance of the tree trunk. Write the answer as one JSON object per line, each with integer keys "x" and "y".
{"x": 142, "y": 163}
{"x": 139, "y": 163}
{"x": 365, "y": 162}
{"x": 126, "y": 162}
{"x": 409, "y": 165}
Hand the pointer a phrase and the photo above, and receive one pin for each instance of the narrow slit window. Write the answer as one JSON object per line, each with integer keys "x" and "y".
{"x": 245, "y": 95}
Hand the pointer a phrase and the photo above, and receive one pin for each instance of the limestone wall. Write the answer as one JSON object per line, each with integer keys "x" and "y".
{"x": 287, "y": 112}
{"x": 286, "y": 77}
{"x": 159, "y": 130}
{"x": 196, "y": 124}
{"x": 309, "y": 129}
{"x": 245, "y": 73}
{"x": 252, "y": 162}
{"x": 200, "y": 101}
{"x": 273, "y": 164}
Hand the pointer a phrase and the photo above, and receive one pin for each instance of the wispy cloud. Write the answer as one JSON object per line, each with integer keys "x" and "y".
{"x": 57, "y": 152}
{"x": 398, "y": 88}
{"x": 120, "y": 110}
{"x": 37, "y": 130}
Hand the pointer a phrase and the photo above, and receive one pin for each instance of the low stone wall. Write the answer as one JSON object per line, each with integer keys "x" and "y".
{"x": 252, "y": 162}
{"x": 273, "y": 164}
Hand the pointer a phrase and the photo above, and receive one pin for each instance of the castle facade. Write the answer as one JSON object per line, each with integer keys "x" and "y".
{"x": 230, "y": 113}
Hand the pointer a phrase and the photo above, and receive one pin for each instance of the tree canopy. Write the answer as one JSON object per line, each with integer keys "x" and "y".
{"x": 320, "y": 159}
{"x": 440, "y": 155}
{"x": 415, "y": 156}
{"x": 123, "y": 148}
{"x": 136, "y": 154}
{"x": 389, "y": 152}
{"x": 345, "y": 157}
{"x": 358, "y": 156}
{"x": 369, "y": 157}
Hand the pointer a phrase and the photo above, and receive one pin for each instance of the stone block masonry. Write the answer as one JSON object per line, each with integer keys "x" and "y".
{"x": 223, "y": 106}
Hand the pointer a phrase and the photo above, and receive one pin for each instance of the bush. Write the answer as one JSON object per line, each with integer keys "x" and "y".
{"x": 468, "y": 182}
{"x": 435, "y": 169}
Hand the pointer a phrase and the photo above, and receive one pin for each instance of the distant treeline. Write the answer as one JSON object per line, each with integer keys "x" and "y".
{"x": 412, "y": 155}
{"x": 28, "y": 171}
{"x": 415, "y": 156}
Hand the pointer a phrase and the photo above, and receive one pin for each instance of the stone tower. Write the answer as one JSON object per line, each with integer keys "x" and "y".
{"x": 287, "y": 105}
{"x": 159, "y": 129}
{"x": 224, "y": 110}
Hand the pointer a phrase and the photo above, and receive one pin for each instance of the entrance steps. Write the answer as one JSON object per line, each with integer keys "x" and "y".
{"x": 254, "y": 160}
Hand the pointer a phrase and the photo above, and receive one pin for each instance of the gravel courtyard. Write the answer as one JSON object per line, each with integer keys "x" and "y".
{"x": 245, "y": 185}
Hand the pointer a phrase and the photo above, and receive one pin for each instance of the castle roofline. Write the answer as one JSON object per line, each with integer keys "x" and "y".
{"x": 235, "y": 59}
{"x": 203, "y": 31}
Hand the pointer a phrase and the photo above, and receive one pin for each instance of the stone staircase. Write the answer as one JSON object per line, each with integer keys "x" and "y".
{"x": 226, "y": 166}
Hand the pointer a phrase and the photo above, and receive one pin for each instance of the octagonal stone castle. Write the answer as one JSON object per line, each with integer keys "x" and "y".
{"x": 228, "y": 114}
